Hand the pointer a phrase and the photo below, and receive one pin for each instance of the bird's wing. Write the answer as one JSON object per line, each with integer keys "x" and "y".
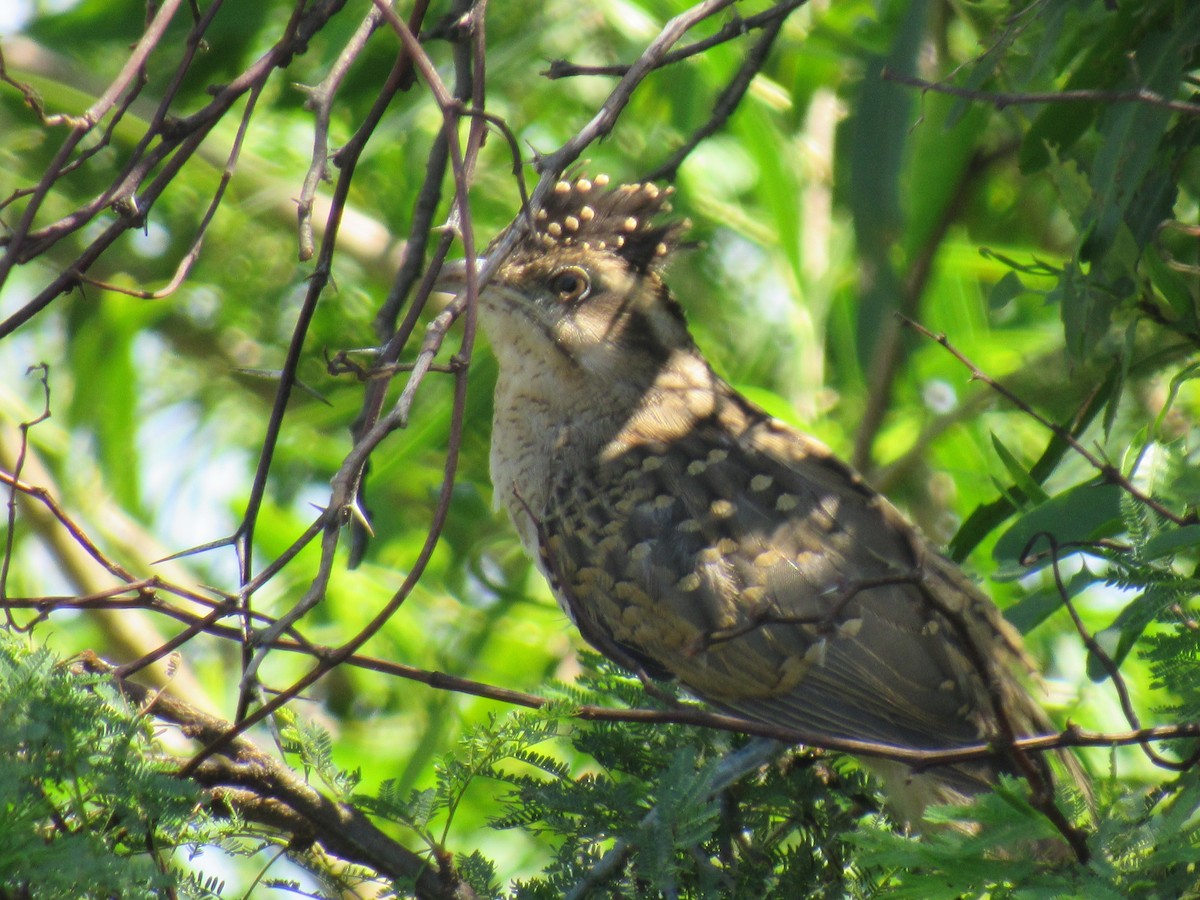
{"x": 767, "y": 578}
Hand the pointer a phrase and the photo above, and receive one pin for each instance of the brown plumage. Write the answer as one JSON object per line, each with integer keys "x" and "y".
{"x": 688, "y": 533}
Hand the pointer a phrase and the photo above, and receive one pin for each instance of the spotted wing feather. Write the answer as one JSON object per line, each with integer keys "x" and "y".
{"x": 768, "y": 579}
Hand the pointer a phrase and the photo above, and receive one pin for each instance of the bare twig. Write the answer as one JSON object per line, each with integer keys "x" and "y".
{"x": 1110, "y": 667}
{"x": 731, "y": 30}
{"x": 82, "y": 125}
{"x": 320, "y": 100}
{"x": 174, "y": 144}
{"x": 727, "y": 102}
{"x": 43, "y": 373}
{"x": 1002, "y": 100}
{"x": 1107, "y": 470}
{"x": 348, "y": 156}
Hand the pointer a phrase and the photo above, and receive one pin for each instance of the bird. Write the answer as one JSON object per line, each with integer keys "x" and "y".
{"x": 691, "y": 536}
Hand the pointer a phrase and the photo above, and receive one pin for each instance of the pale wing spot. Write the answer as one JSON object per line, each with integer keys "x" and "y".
{"x": 850, "y": 628}
{"x": 791, "y": 673}
{"x": 786, "y": 502}
{"x": 726, "y": 546}
{"x": 761, "y": 482}
{"x": 717, "y": 456}
{"x": 721, "y": 509}
{"x": 697, "y": 467}
{"x": 753, "y": 596}
{"x": 689, "y": 526}
{"x": 689, "y": 582}
{"x": 594, "y": 578}
{"x": 614, "y": 543}
{"x": 641, "y": 551}
{"x": 631, "y": 593}
{"x": 767, "y": 559}
{"x": 815, "y": 655}
{"x": 652, "y": 463}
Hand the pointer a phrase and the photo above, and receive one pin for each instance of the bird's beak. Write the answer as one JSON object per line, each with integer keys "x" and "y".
{"x": 453, "y": 277}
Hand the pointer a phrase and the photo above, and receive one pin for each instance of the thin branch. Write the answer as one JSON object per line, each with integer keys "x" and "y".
{"x": 727, "y": 102}
{"x": 339, "y": 827}
{"x": 173, "y": 148}
{"x": 1108, "y": 471}
{"x": 81, "y": 125}
{"x": 1094, "y": 648}
{"x": 731, "y": 30}
{"x": 320, "y": 100}
{"x": 243, "y": 539}
{"x": 679, "y": 713}
{"x": 346, "y": 480}
{"x": 78, "y": 535}
{"x": 190, "y": 258}
{"x": 43, "y": 372}
{"x": 1002, "y": 100}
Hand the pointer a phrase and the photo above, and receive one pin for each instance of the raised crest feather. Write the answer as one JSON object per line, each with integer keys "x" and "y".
{"x": 625, "y": 220}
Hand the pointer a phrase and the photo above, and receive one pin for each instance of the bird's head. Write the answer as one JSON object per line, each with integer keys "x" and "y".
{"x": 580, "y": 299}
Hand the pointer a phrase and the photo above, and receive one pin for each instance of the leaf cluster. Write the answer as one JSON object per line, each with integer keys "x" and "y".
{"x": 90, "y": 807}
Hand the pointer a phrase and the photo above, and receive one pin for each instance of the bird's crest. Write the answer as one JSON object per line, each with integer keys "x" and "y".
{"x": 622, "y": 220}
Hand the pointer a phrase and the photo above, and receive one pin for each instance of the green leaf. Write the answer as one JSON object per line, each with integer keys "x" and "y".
{"x": 1028, "y": 485}
{"x": 1083, "y": 513}
{"x": 1174, "y": 289}
{"x": 1036, "y": 607}
{"x": 1170, "y": 541}
{"x": 1131, "y": 132}
{"x": 1006, "y": 290}
{"x": 1118, "y": 638}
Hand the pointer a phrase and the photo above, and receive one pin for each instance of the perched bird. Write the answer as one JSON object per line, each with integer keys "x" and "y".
{"x": 690, "y": 535}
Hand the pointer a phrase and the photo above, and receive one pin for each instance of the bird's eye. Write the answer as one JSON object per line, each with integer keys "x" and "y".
{"x": 570, "y": 283}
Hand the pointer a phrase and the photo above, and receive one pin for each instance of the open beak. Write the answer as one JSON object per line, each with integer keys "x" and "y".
{"x": 453, "y": 277}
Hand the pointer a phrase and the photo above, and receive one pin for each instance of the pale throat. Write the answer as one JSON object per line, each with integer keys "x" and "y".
{"x": 546, "y": 423}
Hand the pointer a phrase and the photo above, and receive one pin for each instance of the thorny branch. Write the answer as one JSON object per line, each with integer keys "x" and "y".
{"x": 1106, "y": 469}
{"x": 399, "y": 76}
